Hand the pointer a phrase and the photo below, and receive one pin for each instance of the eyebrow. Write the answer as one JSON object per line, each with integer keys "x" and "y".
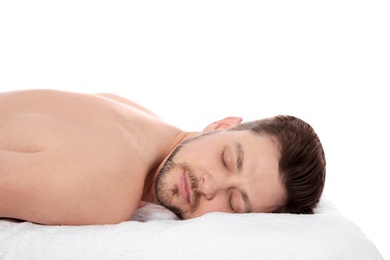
{"x": 239, "y": 156}
{"x": 239, "y": 162}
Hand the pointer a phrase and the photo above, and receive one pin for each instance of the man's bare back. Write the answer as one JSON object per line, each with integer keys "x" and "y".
{"x": 70, "y": 158}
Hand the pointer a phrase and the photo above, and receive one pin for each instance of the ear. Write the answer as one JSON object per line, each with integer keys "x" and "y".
{"x": 227, "y": 122}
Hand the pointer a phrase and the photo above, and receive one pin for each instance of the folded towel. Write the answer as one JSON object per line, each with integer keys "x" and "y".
{"x": 157, "y": 234}
{"x": 153, "y": 212}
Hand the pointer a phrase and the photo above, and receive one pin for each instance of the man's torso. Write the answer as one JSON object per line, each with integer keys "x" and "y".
{"x": 68, "y": 158}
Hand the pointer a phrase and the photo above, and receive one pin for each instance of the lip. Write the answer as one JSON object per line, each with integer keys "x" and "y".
{"x": 185, "y": 188}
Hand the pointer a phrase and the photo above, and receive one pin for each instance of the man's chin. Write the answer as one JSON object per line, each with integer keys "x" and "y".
{"x": 181, "y": 213}
{"x": 188, "y": 214}
{"x": 176, "y": 210}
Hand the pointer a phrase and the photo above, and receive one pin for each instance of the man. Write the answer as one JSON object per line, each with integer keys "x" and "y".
{"x": 75, "y": 159}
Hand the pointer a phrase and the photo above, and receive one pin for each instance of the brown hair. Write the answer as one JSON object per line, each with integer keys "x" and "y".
{"x": 301, "y": 163}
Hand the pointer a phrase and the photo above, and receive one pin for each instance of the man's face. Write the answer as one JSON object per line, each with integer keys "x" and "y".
{"x": 223, "y": 171}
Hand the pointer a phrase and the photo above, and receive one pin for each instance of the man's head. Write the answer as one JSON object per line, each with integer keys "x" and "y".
{"x": 271, "y": 165}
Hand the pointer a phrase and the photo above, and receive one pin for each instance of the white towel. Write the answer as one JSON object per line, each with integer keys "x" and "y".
{"x": 158, "y": 235}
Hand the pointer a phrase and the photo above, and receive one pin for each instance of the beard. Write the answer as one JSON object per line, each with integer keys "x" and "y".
{"x": 166, "y": 193}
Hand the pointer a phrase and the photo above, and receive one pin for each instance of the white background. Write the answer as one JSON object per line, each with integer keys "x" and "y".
{"x": 327, "y": 62}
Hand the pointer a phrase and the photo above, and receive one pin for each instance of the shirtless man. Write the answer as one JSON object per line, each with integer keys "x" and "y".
{"x": 75, "y": 159}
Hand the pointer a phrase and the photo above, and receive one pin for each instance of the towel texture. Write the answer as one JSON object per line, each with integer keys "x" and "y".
{"x": 156, "y": 234}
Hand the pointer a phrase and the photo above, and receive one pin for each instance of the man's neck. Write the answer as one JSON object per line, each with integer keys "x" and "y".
{"x": 149, "y": 190}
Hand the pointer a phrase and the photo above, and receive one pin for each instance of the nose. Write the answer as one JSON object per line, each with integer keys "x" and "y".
{"x": 210, "y": 185}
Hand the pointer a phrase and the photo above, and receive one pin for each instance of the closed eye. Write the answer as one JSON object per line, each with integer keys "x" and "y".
{"x": 223, "y": 159}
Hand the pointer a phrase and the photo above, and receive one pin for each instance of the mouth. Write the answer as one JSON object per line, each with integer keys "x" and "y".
{"x": 185, "y": 188}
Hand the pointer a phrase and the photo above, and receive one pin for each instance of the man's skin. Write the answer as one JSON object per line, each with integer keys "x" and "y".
{"x": 75, "y": 159}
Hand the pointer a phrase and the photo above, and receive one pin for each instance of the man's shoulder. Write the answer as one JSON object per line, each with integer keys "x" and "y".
{"x": 126, "y": 102}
